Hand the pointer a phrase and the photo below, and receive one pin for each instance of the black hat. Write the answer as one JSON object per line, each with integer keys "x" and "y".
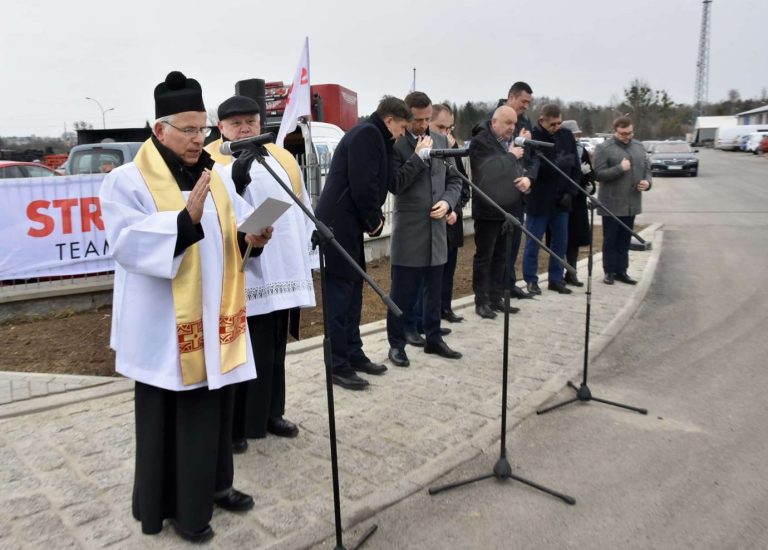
{"x": 178, "y": 94}
{"x": 238, "y": 105}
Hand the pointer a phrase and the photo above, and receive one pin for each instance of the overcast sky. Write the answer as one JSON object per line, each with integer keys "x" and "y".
{"x": 53, "y": 54}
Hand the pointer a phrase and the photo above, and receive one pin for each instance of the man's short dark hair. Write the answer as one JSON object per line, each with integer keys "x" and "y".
{"x": 438, "y": 108}
{"x": 518, "y": 88}
{"x": 417, "y": 100}
{"x": 622, "y": 122}
{"x": 551, "y": 110}
{"x": 394, "y": 107}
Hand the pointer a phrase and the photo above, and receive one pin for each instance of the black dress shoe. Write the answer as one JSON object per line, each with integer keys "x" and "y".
{"x": 485, "y": 312}
{"x": 608, "y": 279}
{"x": 519, "y": 293}
{"x": 349, "y": 380}
{"x": 235, "y": 501}
{"x": 442, "y": 349}
{"x": 499, "y": 306}
{"x": 281, "y": 427}
{"x": 572, "y": 280}
{"x": 559, "y": 287}
{"x": 398, "y": 357}
{"x": 624, "y": 278}
{"x": 450, "y": 316}
{"x": 239, "y": 446}
{"x": 415, "y": 339}
{"x": 444, "y": 331}
{"x": 203, "y": 535}
{"x": 369, "y": 367}
{"x": 533, "y": 288}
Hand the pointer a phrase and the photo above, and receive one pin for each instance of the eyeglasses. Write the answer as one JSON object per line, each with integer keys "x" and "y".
{"x": 625, "y": 134}
{"x": 444, "y": 128}
{"x": 191, "y": 131}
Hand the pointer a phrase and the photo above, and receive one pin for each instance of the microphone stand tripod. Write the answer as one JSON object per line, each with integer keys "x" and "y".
{"x": 321, "y": 238}
{"x": 583, "y": 393}
{"x": 502, "y": 470}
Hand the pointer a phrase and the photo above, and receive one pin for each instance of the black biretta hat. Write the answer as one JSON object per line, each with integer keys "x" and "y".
{"x": 238, "y": 105}
{"x": 178, "y": 94}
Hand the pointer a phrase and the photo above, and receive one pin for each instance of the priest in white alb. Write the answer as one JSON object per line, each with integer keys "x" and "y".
{"x": 278, "y": 278}
{"x": 179, "y": 316}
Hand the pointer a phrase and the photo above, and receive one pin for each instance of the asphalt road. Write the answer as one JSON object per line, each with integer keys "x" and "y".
{"x": 693, "y": 473}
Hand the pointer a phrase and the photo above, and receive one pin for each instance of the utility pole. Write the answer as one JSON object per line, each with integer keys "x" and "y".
{"x": 702, "y": 62}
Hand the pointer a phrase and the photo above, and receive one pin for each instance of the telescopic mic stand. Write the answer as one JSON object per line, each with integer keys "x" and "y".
{"x": 583, "y": 393}
{"x": 502, "y": 470}
{"x": 321, "y": 238}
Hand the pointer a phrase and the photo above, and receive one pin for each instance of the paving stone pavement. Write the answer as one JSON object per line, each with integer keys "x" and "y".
{"x": 66, "y": 468}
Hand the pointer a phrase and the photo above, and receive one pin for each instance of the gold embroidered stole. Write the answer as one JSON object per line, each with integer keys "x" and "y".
{"x": 187, "y": 285}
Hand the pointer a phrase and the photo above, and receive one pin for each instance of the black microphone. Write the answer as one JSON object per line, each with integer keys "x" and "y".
{"x": 522, "y": 142}
{"x": 448, "y": 153}
{"x": 232, "y": 147}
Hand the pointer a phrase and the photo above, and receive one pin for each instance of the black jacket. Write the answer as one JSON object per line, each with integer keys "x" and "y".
{"x": 494, "y": 171}
{"x": 550, "y": 191}
{"x": 355, "y": 188}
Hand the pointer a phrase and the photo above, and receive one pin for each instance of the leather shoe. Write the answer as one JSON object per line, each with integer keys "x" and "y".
{"x": 281, "y": 427}
{"x": 608, "y": 279}
{"x": 450, "y": 316}
{"x": 369, "y": 367}
{"x": 415, "y": 339}
{"x": 499, "y": 306}
{"x": 239, "y": 446}
{"x": 559, "y": 287}
{"x": 349, "y": 380}
{"x": 203, "y": 535}
{"x": 485, "y": 312}
{"x": 442, "y": 349}
{"x": 572, "y": 280}
{"x": 624, "y": 278}
{"x": 398, "y": 357}
{"x": 235, "y": 501}
{"x": 444, "y": 331}
{"x": 519, "y": 293}
{"x": 533, "y": 288}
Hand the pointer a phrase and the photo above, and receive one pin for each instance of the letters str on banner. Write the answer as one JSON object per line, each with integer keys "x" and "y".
{"x": 52, "y": 226}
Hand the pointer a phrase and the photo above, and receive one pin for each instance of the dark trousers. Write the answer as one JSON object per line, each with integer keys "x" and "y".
{"x": 344, "y": 306}
{"x": 488, "y": 262}
{"x": 446, "y": 287}
{"x": 256, "y": 401}
{"x": 616, "y": 241}
{"x": 517, "y": 235}
{"x": 183, "y": 454}
{"x": 404, "y": 291}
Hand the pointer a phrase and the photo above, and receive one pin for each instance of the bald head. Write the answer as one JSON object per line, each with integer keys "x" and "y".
{"x": 503, "y": 121}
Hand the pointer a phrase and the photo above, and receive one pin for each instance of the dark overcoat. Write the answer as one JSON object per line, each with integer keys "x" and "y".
{"x": 354, "y": 190}
{"x": 494, "y": 171}
{"x": 549, "y": 186}
{"x": 418, "y": 240}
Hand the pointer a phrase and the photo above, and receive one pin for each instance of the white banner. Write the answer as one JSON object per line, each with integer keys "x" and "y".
{"x": 52, "y": 226}
{"x": 299, "y": 103}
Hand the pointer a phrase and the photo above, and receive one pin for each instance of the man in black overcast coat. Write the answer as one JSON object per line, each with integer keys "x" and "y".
{"x": 350, "y": 204}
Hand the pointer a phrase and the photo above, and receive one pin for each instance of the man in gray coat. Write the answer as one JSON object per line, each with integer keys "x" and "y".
{"x": 425, "y": 193}
{"x": 622, "y": 169}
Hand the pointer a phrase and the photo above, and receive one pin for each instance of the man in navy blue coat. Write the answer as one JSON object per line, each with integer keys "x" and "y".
{"x": 350, "y": 204}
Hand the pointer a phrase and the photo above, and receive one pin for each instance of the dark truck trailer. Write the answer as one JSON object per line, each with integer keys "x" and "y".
{"x": 113, "y": 134}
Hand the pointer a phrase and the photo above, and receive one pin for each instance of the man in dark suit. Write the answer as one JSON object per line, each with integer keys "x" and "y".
{"x": 498, "y": 171}
{"x": 350, "y": 204}
{"x": 425, "y": 193}
{"x": 551, "y": 199}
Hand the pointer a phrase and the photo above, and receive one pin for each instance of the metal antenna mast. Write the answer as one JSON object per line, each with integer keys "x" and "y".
{"x": 702, "y": 63}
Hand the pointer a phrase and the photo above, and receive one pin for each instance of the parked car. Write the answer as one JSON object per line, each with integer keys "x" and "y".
{"x": 14, "y": 169}
{"x": 673, "y": 157}
{"x": 753, "y": 141}
{"x": 99, "y": 158}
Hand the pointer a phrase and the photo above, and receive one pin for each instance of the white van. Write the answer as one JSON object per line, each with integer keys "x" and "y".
{"x": 314, "y": 161}
{"x": 729, "y": 138}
